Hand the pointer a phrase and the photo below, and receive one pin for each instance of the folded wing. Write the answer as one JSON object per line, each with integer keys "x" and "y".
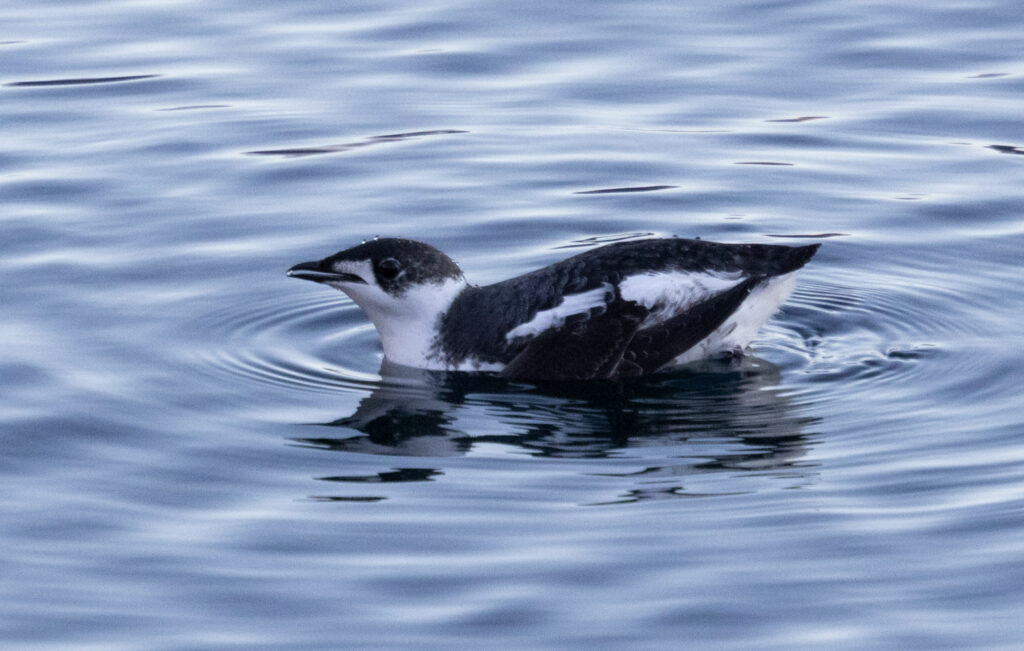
{"x": 624, "y": 338}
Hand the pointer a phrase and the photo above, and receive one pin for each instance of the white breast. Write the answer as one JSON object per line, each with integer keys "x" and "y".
{"x": 407, "y": 324}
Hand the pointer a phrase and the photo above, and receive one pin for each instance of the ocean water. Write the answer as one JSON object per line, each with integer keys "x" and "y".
{"x": 199, "y": 452}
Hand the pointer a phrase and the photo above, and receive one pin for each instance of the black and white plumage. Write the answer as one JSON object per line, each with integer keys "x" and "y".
{"x": 621, "y": 310}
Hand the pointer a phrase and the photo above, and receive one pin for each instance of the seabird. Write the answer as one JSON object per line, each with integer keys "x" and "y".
{"x": 626, "y": 309}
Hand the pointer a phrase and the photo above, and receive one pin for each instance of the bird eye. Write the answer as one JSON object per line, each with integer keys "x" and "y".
{"x": 389, "y": 268}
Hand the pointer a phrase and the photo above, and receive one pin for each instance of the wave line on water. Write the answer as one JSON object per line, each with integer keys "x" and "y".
{"x": 78, "y": 81}
{"x": 299, "y": 341}
{"x": 639, "y": 188}
{"x": 295, "y": 152}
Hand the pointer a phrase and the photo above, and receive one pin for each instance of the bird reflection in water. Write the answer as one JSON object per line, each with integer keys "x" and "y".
{"x": 719, "y": 416}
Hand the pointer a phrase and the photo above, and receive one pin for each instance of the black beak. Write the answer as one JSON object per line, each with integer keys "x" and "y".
{"x": 319, "y": 272}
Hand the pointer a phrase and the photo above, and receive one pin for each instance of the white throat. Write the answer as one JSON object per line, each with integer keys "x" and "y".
{"x": 407, "y": 324}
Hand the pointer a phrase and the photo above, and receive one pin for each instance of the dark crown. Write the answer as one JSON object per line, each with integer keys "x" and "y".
{"x": 399, "y": 263}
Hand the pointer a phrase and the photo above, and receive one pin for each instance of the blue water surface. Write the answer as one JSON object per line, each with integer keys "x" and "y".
{"x": 202, "y": 453}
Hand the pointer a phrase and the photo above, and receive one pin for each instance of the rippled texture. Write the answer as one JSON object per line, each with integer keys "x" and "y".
{"x": 200, "y": 452}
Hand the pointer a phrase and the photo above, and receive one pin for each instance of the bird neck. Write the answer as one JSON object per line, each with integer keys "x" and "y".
{"x": 408, "y": 331}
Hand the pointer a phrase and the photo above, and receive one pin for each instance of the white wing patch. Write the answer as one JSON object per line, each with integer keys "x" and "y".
{"x": 571, "y": 304}
{"x": 667, "y": 294}
{"x": 741, "y": 328}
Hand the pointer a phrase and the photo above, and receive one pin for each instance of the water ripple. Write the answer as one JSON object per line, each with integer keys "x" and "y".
{"x": 302, "y": 341}
{"x": 878, "y": 334}
{"x": 827, "y": 332}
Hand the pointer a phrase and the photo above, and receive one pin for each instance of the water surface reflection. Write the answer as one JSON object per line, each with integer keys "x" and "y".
{"x": 718, "y": 417}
